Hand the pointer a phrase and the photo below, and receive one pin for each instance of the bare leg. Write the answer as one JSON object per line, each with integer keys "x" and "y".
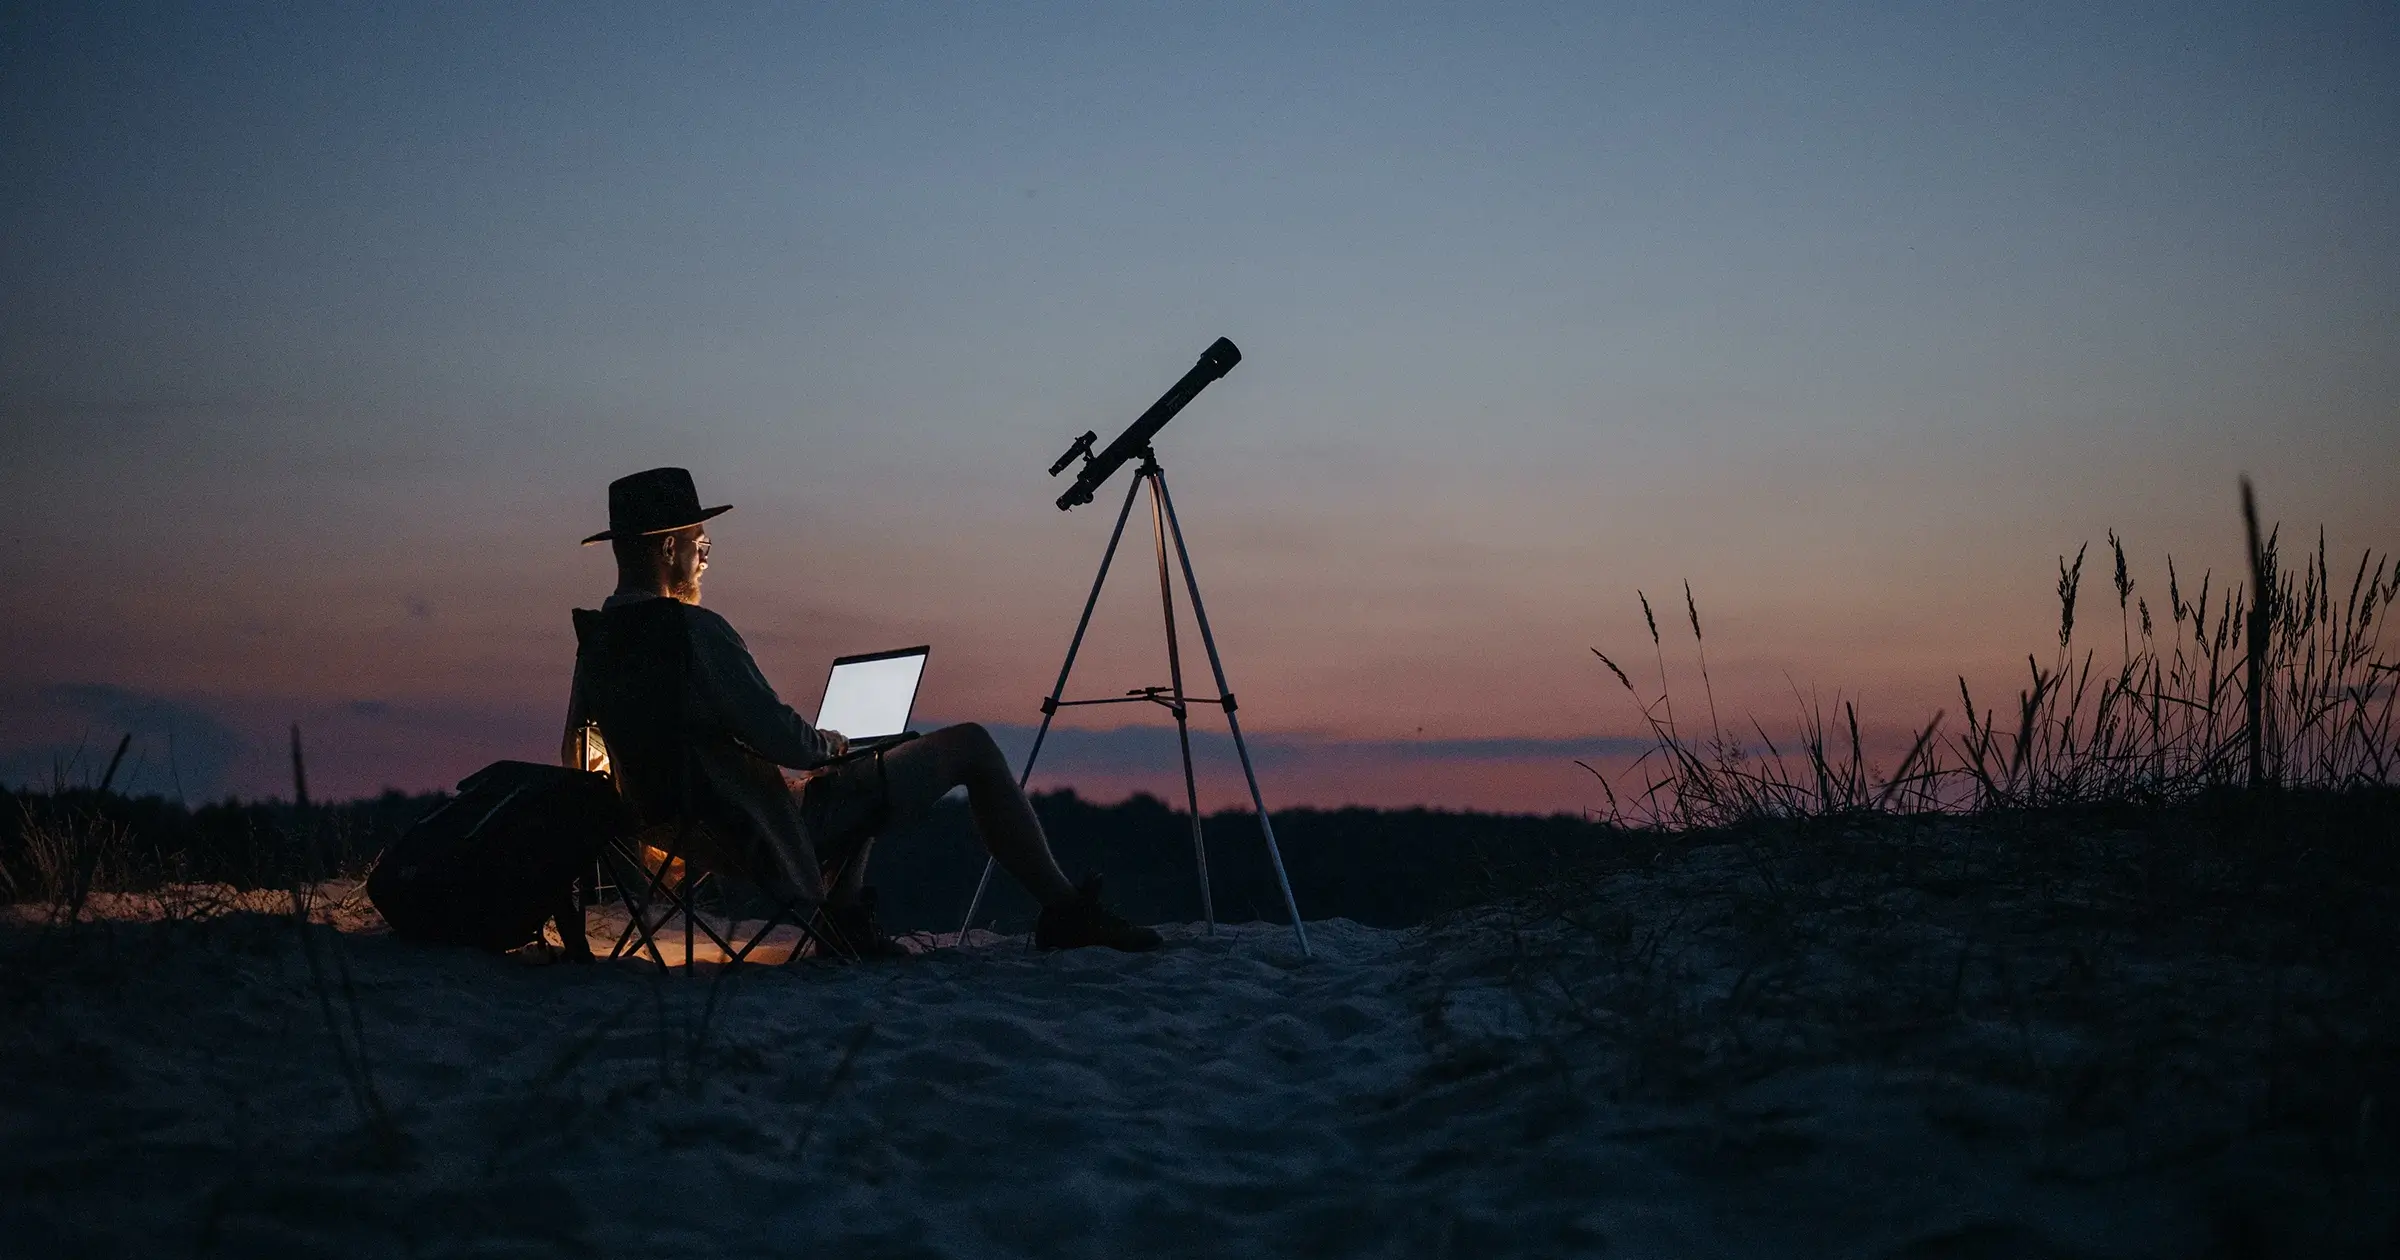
{"x": 923, "y": 769}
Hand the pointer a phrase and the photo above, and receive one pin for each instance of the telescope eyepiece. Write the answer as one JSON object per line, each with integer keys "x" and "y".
{"x": 1082, "y": 446}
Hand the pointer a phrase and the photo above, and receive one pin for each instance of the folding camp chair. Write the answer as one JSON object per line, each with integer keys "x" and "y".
{"x": 657, "y": 890}
{"x": 640, "y": 658}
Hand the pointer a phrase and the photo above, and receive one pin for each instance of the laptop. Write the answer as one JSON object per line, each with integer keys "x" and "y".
{"x": 868, "y": 698}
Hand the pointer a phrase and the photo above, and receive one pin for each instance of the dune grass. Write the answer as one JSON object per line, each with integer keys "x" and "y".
{"x": 2280, "y": 682}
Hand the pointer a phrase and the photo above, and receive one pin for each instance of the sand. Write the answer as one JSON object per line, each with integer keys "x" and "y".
{"x": 1487, "y": 1086}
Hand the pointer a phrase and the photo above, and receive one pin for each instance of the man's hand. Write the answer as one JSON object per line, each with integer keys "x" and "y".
{"x": 838, "y": 742}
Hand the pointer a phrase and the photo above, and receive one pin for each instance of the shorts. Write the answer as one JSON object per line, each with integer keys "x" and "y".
{"x": 843, "y": 806}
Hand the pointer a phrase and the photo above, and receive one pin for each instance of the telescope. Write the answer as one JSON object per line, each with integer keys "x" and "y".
{"x": 1167, "y": 533}
{"x": 1214, "y": 362}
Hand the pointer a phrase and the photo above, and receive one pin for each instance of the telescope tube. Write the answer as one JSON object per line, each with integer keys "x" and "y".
{"x": 1214, "y": 362}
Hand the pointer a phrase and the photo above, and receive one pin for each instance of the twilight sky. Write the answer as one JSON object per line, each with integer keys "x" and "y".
{"x": 322, "y": 330}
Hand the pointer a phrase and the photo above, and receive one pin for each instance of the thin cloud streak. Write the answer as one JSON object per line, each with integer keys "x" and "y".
{"x": 1139, "y": 748}
{"x": 63, "y": 735}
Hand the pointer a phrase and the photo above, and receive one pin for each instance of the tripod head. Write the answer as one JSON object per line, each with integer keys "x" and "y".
{"x": 1214, "y": 362}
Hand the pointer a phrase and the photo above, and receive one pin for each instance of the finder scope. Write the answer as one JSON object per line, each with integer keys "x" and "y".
{"x": 1214, "y": 362}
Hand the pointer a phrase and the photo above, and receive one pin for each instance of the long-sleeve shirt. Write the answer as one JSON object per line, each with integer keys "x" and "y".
{"x": 724, "y": 691}
{"x": 725, "y": 694}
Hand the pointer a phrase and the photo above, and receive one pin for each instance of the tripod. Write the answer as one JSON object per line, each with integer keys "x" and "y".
{"x": 1171, "y": 697}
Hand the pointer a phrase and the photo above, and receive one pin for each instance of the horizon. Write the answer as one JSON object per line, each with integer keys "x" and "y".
{"x": 330, "y": 329}
{"x": 1133, "y": 797}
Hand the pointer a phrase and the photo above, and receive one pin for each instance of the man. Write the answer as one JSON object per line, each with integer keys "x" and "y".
{"x": 695, "y": 735}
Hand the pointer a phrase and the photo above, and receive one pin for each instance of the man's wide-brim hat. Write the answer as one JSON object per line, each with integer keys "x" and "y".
{"x": 658, "y": 501}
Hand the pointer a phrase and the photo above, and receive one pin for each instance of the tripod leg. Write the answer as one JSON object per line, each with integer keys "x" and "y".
{"x": 1183, "y": 726}
{"x": 1050, "y": 706}
{"x": 1217, "y": 664}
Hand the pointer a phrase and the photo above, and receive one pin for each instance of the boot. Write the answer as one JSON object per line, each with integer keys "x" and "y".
{"x": 1084, "y": 921}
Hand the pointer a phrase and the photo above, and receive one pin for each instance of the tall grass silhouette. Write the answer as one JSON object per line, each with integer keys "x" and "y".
{"x": 2281, "y": 681}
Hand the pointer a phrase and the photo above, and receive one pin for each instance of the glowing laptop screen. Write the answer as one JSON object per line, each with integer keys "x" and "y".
{"x": 868, "y": 697}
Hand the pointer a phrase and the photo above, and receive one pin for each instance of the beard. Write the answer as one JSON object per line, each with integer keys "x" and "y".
{"x": 685, "y": 588}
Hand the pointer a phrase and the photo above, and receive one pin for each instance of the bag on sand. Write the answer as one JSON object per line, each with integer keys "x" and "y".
{"x": 487, "y": 868}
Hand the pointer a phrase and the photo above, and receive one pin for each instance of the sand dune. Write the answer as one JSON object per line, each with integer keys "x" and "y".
{"x": 176, "y": 1089}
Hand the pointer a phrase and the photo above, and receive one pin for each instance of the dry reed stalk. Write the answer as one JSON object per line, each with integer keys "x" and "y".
{"x": 2315, "y": 690}
{"x": 2255, "y": 656}
{"x": 113, "y": 762}
{"x": 350, "y": 1043}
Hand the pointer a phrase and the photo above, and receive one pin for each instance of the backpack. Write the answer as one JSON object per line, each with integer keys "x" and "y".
{"x": 502, "y": 856}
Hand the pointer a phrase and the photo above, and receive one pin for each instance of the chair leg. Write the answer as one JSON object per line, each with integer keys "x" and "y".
{"x": 635, "y": 903}
{"x": 645, "y": 933}
{"x": 813, "y": 928}
{"x": 818, "y": 928}
{"x": 637, "y": 908}
{"x": 808, "y": 935}
{"x": 682, "y": 897}
{"x": 813, "y": 931}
